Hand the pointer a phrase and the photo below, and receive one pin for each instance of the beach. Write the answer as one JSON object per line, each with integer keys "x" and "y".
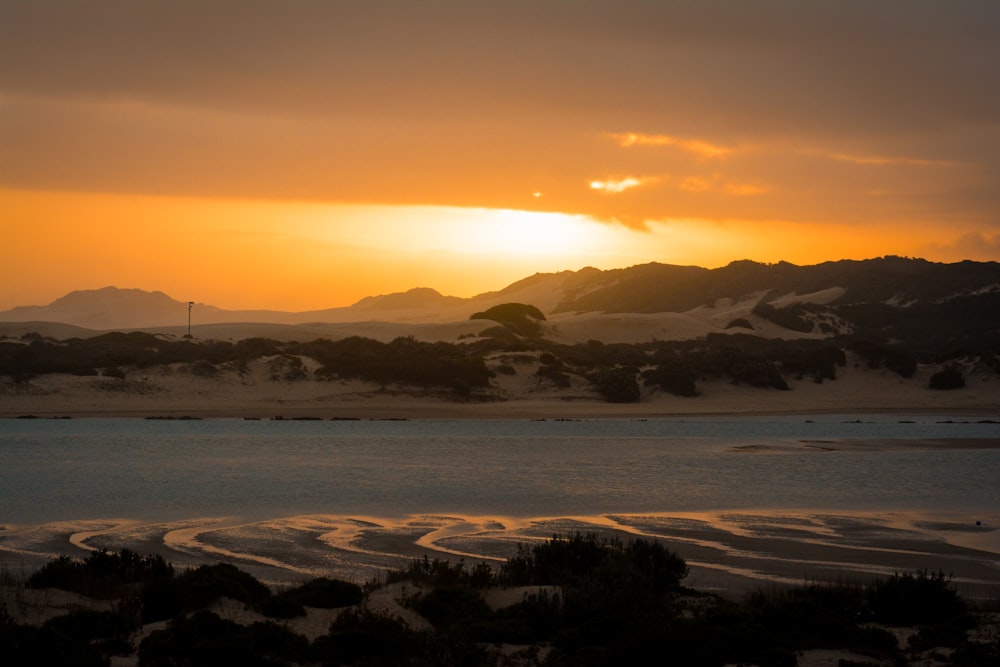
{"x": 749, "y": 502}
{"x": 175, "y": 391}
{"x": 730, "y": 553}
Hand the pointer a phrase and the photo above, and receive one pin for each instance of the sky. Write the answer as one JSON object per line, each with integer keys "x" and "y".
{"x": 299, "y": 154}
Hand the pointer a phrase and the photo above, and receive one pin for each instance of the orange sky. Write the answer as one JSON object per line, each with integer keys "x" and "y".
{"x": 299, "y": 155}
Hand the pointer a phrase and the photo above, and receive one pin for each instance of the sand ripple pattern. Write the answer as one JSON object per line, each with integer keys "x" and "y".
{"x": 726, "y": 551}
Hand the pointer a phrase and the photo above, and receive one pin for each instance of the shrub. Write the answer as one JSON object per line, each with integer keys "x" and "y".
{"x": 674, "y": 377}
{"x": 205, "y": 639}
{"x": 196, "y": 589}
{"x": 948, "y": 378}
{"x": 102, "y": 574}
{"x": 451, "y": 605}
{"x": 364, "y": 637}
{"x": 27, "y": 646}
{"x": 321, "y": 593}
{"x": 915, "y": 599}
{"x": 791, "y": 317}
{"x": 757, "y": 373}
{"x": 642, "y": 564}
{"x": 520, "y": 318}
{"x": 107, "y": 631}
{"x": 740, "y": 322}
{"x": 617, "y": 385}
{"x": 441, "y": 572}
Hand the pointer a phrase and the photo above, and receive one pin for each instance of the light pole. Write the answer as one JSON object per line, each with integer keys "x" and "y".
{"x": 190, "y": 304}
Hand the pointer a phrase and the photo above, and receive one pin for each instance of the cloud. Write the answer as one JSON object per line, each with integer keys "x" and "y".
{"x": 396, "y": 102}
{"x": 889, "y": 161}
{"x": 983, "y": 245}
{"x": 614, "y": 186}
{"x": 718, "y": 184}
{"x": 700, "y": 148}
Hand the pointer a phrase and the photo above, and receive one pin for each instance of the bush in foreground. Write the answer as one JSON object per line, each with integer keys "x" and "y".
{"x": 601, "y": 601}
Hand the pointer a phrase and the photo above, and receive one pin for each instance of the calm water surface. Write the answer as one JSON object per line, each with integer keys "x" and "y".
{"x": 61, "y": 470}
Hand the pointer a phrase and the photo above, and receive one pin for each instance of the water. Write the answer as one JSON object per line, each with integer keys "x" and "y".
{"x": 126, "y": 479}
{"x": 52, "y": 470}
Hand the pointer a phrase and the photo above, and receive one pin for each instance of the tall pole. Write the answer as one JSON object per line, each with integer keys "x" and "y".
{"x": 190, "y": 304}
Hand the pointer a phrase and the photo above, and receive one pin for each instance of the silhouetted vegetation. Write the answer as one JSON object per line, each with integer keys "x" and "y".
{"x": 613, "y": 370}
{"x": 891, "y": 357}
{"x": 195, "y": 589}
{"x": 790, "y": 317}
{"x": 206, "y": 639}
{"x": 590, "y": 600}
{"x": 404, "y": 360}
{"x": 321, "y": 593}
{"x": 673, "y": 376}
{"x": 947, "y": 378}
{"x": 617, "y": 385}
{"x": 913, "y": 317}
{"x": 102, "y": 574}
{"x": 522, "y": 319}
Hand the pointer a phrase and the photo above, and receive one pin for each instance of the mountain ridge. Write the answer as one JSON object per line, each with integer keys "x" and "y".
{"x": 644, "y": 288}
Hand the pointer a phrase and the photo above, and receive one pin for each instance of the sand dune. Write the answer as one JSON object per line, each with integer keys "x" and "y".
{"x": 177, "y": 391}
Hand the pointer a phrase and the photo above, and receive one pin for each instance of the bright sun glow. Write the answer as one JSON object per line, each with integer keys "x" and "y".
{"x": 525, "y": 233}
{"x": 466, "y": 231}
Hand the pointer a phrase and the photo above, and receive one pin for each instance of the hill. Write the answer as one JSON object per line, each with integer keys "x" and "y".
{"x": 850, "y": 293}
{"x": 892, "y": 332}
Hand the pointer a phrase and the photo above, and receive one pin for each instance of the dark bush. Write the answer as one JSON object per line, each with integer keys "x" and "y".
{"x": 451, "y": 605}
{"x": 915, "y": 599}
{"x": 893, "y": 358}
{"x": 571, "y": 561}
{"x": 196, "y": 589}
{"x": 404, "y": 360}
{"x": 672, "y": 376}
{"x": 520, "y": 318}
{"x": 102, "y": 574}
{"x": 28, "y": 646}
{"x": 441, "y": 572}
{"x": 947, "y": 378}
{"x": 617, "y": 385}
{"x": 757, "y": 373}
{"x": 534, "y": 619}
{"x": 361, "y": 637}
{"x": 321, "y": 593}
{"x": 791, "y": 317}
{"x": 205, "y": 640}
{"x": 554, "y": 374}
{"x": 109, "y": 632}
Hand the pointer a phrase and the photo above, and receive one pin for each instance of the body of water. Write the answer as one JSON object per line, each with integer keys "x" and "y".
{"x": 313, "y": 492}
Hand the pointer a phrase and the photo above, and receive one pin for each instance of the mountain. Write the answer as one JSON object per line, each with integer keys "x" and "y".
{"x": 652, "y": 288}
{"x": 843, "y": 295}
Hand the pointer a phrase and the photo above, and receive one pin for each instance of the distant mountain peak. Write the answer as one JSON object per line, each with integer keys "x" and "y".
{"x": 418, "y": 297}
{"x": 104, "y": 294}
{"x": 644, "y": 288}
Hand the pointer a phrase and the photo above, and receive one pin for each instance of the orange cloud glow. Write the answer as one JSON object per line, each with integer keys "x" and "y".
{"x": 307, "y": 154}
{"x": 614, "y": 186}
{"x": 700, "y": 148}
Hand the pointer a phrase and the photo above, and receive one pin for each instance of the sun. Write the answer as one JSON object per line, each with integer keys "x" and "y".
{"x": 526, "y": 233}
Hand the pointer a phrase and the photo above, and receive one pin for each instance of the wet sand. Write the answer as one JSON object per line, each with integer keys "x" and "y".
{"x": 728, "y": 552}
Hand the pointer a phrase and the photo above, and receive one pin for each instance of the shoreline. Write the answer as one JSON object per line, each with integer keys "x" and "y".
{"x": 398, "y": 408}
{"x": 729, "y": 552}
{"x": 175, "y": 394}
